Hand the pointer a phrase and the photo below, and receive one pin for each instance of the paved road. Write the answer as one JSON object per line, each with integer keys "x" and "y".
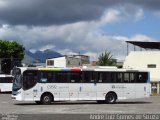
{"x": 149, "y": 105}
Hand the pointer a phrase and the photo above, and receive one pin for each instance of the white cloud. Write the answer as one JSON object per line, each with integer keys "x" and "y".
{"x": 5, "y": 26}
{"x": 84, "y": 37}
{"x": 47, "y": 47}
{"x": 2, "y": 3}
{"x": 156, "y": 13}
{"x": 122, "y": 13}
{"x": 140, "y": 37}
{"x": 110, "y": 16}
{"x": 139, "y": 15}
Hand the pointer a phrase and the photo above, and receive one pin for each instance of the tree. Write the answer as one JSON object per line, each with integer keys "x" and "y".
{"x": 11, "y": 54}
{"x": 106, "y": 59}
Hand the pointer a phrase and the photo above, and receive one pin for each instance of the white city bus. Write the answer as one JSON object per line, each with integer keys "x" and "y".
{"x": 46, "y": 85}
{"x": 6, "y": 83}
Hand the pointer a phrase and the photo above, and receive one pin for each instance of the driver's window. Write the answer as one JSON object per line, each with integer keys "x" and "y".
{"x": 29, "y": 79}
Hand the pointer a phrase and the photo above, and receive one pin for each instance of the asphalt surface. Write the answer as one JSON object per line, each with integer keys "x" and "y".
{"x": 73, "y": 109}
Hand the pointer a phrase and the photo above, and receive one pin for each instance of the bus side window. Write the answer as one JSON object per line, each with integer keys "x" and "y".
{"x": 119, "y": 78}
{"x": 81, "y": 77}
{"x": 104, "y": 77}
{"x": 126, "y": 77}
{"x": 132, "y": 77}
{"x": 8, "y": 80}
{"x": 29, "y": 79}
{"x": 74, "y": 77}
{"x": 100, "y": 77}
{"x": 142, "y": 77}
{"x": 43, "y": 77}
{"x": 113, "y": 77}
{"x": 50, "y": 77}
{"x": 87, "y": 76}
{"x": 94, "y": 77}
{"x": 62, "y": 77}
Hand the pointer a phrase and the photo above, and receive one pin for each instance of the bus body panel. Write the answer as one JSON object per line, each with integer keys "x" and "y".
{"x": 5, "y": 87}
{"x": 19, "y": 95}
{"x": 88, "y": 91}
{"x": 75, "y": 90}
{"x": 104, "y": 88}
{"x": 142, "y": 90}
{"x": 29, "y": 94}
{"x": 6, "y": 83}
{"x": 85, "y": 93}
{"x": 129, "y": 90}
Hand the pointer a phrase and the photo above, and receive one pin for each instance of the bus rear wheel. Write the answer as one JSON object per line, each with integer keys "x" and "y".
{"x": 46, "y": 99}
{"x": 111, "y": 98}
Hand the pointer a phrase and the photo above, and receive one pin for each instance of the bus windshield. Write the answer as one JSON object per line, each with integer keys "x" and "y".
{"x": 17, "y": 79}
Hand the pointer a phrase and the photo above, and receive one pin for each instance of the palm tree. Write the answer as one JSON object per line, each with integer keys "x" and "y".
{"x": 106, "y": 59}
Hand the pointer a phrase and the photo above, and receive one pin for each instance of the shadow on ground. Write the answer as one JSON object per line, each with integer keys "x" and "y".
{"x": 83, "y": 103}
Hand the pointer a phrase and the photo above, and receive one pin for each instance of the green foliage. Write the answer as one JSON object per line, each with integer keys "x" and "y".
{"x": 10, "y": 53}
{"x": 106, "y": 59}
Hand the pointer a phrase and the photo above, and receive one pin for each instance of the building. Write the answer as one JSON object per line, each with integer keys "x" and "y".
{"x": 68, "y": 61}
{"x": 148, "y": 60}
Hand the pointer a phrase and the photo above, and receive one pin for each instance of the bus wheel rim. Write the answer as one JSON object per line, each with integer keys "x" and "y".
{"x": 46, "y": 98}
{"x": 111, "y": 98}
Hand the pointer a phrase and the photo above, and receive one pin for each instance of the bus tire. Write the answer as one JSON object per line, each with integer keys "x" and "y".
{"x": 111, "y": 98}
{"x": 46, "y": 99}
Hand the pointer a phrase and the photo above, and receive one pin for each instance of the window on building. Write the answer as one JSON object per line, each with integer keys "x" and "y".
{"x": 50, "y": 62}
{"x": 151, "y": 65}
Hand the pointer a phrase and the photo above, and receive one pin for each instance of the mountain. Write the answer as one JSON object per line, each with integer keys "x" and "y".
{"x": 40, "y": 56}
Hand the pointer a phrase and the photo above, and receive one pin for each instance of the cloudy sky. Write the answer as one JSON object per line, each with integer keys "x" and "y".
{"x": 86, "y": 26}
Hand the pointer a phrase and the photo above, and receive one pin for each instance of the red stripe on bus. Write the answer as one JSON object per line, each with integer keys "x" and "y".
{"x": 75, "y": 70}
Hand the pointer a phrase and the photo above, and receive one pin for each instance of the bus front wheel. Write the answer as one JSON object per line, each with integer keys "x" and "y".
{"x": 46, "y": 99}
{"x": 111, "y": 98}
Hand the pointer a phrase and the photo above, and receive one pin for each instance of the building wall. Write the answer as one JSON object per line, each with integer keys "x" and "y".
{"x": 66, "y": 61}
{"x": 57, "y": 62}
{"x": 145, "y": 60}
{"x": 73, "y": 61}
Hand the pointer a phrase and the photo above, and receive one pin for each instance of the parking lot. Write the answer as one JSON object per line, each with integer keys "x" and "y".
{"x": 140, "y": 106}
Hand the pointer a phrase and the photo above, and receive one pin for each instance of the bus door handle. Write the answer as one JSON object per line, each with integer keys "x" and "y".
{"x": 80, "y": 89}
{"x": 144, "y": 89}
